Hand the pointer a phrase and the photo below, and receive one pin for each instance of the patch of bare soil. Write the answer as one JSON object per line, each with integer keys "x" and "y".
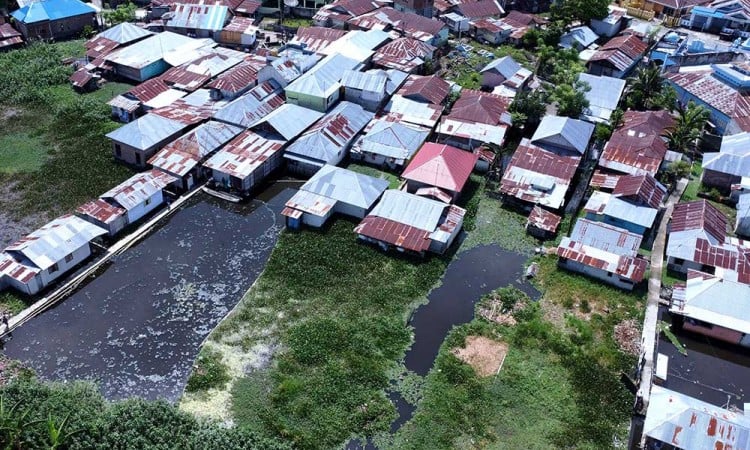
{"x": 12, "y": 227}
{"x": 484, "y": 355}
{"x": 493, "y": 311}
{"x": 628, "y": 336}
{"x": 8, "y": 113}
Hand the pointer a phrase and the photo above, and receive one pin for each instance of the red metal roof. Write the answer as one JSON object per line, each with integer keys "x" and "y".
{"x": 395, "y": 233}
{"x": 441, "y": 166}
{"x": 543, "y": 219}
{"x": 356, "y": 7}
{"x": 720, "y": 96}
{"x": 409, "y": 24}
{"x": 184, "y": 79}
{"x": 531, "y": 157}
{"x": 644, "y": 153}
{"x": 81, "y": 77}
{"x": 478, "y": 106}
{"x": 7, "y": 31}
{"x": 647, "y": 122}
{"x": 433, "y": 89}
{"x": 248, "y": 7}
{"x": 479, "y": 9}
{"x": 101, "y": 210}
{"x": 643, "y": 189}
{"x": 699, "y": 214}
{"x": 632, "y": 268}
{"x": 148, "y": 90}
{"x": 604, "y": 180}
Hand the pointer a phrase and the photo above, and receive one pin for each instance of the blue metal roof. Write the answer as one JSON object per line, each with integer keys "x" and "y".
{"x": 41, "y": 10}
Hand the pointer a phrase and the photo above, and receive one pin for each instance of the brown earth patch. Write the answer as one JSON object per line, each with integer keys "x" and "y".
{"x": 483, "y": 354}
{"x": 628, "y": 336}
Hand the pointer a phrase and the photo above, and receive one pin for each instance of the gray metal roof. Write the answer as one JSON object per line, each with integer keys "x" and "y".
{"x": 583, "y": 35}
{"x": 372, "y": 81}
{"x": 713, "y": 300}
{"x": 392, "y": 139}
{"x": 606, "y": 237}
{"x": 563, "y": 132}
{"x": 147, "y": 131}
{"x": 248, "y": 109}
{"x": 199, "y": 17}
{"x": 289, "y": 121}
{"x": 346, "y": 186}
{"x": 56, "y": 240}
{"x": 124, "y": 33}
{"x": 323, "y": 79}
{"x": 603, "y": 97}
{"x": 409, "y": 209}
{"x": 151, "y": 49}
{"x": 332, "y": 134}
{"x": 733, "y": 158}
{"x": 637, "y": 214}
{"x": 505, "y": 66}
{"x": 742, "y": 226}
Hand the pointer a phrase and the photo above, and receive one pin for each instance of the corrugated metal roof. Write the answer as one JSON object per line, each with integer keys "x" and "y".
{"x": 43, "y": 10}
{"x": 476, "y": 133}
{"x": 643, "y": 189}
{"x": 148, "y": 90}
{"x": 124, "y": 33}
{"x": 138, "y": 188}
{"x": 345, "y": 186}
{"x": 164, "y": 99}
{"x": 583, "y": 35}
{"x": 193, "y": 75}
{"x": 699, "y": 215}
{"x": 182, "y": 155}
{"x": 81, "y": 77}
{"x": 684, "y": 422}
{"x": 719, "y": 302}
{"x": 409, "y": 24}
{"x": 316, "y": 39}
{"x": 733, "y": 158}
{"x": 409, "y": 209}
{"x": 538, "y": 176}
{"x": 441, "y": 166}
{"x": 604, "y": 180}
{"x": 481, "y": 107}
{"x": 242, "y": 25}
{"x": 391, "y": 139}
{"x": 638, "y": 214}
{"x": 404, "y": 54}
{"x": 146, "y": 131}
{"x": 251, "y": 107}
{"x": 99, "y": 46}
{"x": 372, "y": 81}
{"x": 244, "y": 154}
{"x": 236, "y": 79}
{"x": 199, "y": 17}
{"x": 435, "y": 193}
{"x": 7, "y": 31}
{"x": 431, "y": 89}
{"x": 564, "y": 133}
{"x": 742, "y": 226}
{"x": 101, "y": 210}
{"x": 606, "y": 237}
{"x": 288, "y": 121}
{"x": 192, "y": 109}
{"x": 21, "y": 269}
{"x": 124, "y": 103}
{"x": 629, "y": 151}
{"x": 151, "y": 49}
{"x": 544, "y": 220}
{"x": 410, "y": 111}
{"x": 603, "y": 97}
{"x": 331, "y": 135}
{"x": 480, "y": 9}
{"x": 394, "y": 232}
{"x": 310, "y": 203}
{"x": 55, "y": 240}
{"x": 324, "y": 78}
{"x": 718, "y": 95}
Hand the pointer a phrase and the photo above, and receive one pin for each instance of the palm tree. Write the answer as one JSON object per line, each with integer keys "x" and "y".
{"x": 643, "y": 87}
{"x": 688, "y": 127}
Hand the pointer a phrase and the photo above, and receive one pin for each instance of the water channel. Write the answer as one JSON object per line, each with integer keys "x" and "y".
{"x": 136, "y": 328}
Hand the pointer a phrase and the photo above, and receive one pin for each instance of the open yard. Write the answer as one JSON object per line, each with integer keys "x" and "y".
{"x": 464, "y": 69}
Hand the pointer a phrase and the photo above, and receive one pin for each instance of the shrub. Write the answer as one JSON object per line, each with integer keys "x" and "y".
{"x": 208, "y": 372}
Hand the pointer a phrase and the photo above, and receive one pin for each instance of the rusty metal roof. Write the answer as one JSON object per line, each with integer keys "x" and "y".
{"x": 621, "y": 51}
{"x": 409, "y": 24}
{"x": 642, "y": 189}
{"x": 405, "y": 54}
{"x": 647, "y": 122}
{"x": 430, "y": 89}
{"x": 441, "y": 166}
{"x": 7, "y": 31}
{"x": 137, "y": 189}
{"x": 635, "y": 153}
{"x": 479, "y": 9}
{"x": 244, "y": 154}
{"x": 699, "y": 215}
{"x": 199, "y": 17}
{"x": 544, "y": 220}
{"x": 100, "y": 46}
{"x": 481, "y": 107}
{"x": 101, "y": 210}
{"x": 19, "y": 269}
{"x": 243, "y": 25}
{"x": 316, "y": 39}
{"x": 81, "y": 77}
{"x": 603, "y": 180}
{"x": 54, "y": 241}
{"x": 718, "y": 95}
{"x": 148, "y": 90}
{"x": 395, "y": 233}
{"x": 685, "y": 422}
{"x": 413, "y": 112}
{"x": 237, "y": 78}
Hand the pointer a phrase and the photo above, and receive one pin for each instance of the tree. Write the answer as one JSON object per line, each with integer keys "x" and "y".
{"x": 570, "y": 11}
{"x": 571, "y": 99}
{"x": 644, "y": 87}
{"x": 528, "y": 108}
{"x": 674, "y": 171}
{"x": 688, "y": 127}
{"x": 666, "y": 99}
{"x": 123, "y": 13}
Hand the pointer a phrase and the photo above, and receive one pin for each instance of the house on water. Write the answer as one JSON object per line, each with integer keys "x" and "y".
{"x": 439, "y": 166}
{"x": 36, "y": 260}
{"x": 633, "y": 205}
{"x": 139, "y": 194}
{"x": 333, "y": 190}
{"x": 137, "y": 141}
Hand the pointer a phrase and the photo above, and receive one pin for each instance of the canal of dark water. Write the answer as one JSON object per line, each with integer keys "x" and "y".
{"x": 136, "y": 328}
{"x": 469, "y": 276}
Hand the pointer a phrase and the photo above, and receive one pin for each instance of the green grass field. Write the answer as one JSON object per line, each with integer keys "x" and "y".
{"x": 393, "y": 180}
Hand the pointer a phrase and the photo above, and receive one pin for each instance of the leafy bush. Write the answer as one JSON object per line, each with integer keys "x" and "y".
{"x": 208, "y": 372}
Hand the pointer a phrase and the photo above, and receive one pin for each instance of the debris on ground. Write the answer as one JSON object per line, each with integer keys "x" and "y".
{"x": 628, "y": 336}
{"x": 495, "y": 308}
{"x": 484, "y": 355}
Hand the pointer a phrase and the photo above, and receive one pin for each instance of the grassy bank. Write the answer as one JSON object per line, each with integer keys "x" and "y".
{"x": 550, "y": 393}
{"x": 53, "y": 153}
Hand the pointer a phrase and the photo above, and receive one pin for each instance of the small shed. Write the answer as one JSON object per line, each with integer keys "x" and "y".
{"x": 103, "y": 214}
{"x": 542, "y": 223}
{"x": 83, "y": 81}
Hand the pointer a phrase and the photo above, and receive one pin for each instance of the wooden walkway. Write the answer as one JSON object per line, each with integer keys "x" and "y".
{"x": 120, "y": 246}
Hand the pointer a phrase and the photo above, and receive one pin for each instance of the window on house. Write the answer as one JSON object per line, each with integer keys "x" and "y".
{"x": 679, "y": 261}
{"x": 118, "y": 150}
{"x": 69, "y": 258}
{"x": 138, "y": 159}
{"x": 53, "y": 268}
{"x": 609, "y": 274}
{"x": 148, "y": 202}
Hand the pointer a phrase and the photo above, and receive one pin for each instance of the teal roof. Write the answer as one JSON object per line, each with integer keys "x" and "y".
{"x": 42, "y": 10}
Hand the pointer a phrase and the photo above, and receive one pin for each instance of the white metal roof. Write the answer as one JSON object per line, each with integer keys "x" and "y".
{"x": 346, "y": 186}
{"x": 149, "y": 50}
{"x": 603, "y": 96}
{"x": 714, "y": 300}
{"x": 146, "y": 131}
{"x": 391, "y": 139}
{"x": 372, "y": 81}
{"x": 124, "y": 33}
{"x": 409, "y": 209}
{"x": 563, "y": 132}
{"x": 733, "y": 158}
{"x": 138, "y": 188}
{"x": 289, "y": 121}
{"x": 424, "y": 114}
{"x": 473, "y": 131}
{"x": 606, "y": 237}
{"x": 323, "y": 79}
{"x": 55, "y": 240}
